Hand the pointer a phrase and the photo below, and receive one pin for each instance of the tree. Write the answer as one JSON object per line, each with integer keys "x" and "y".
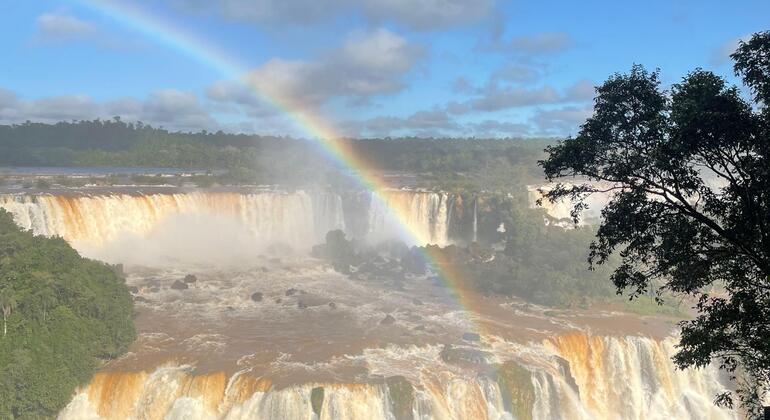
{"x": 688, "y": 171}
{"x": 64, "y": 316}
{"x": 7, "y": 305}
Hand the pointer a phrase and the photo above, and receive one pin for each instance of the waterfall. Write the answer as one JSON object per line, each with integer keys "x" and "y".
{"x": 300, "y": 218}
{"x": 424, "y": 214}
{"x": 561, "y": 210}
{"x": 574, "y": 376}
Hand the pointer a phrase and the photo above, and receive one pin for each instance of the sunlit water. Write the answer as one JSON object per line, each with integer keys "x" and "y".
{"x": 376, "y": 347}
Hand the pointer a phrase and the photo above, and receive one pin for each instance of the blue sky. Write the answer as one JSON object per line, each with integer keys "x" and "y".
{"x": 368, "y": 67}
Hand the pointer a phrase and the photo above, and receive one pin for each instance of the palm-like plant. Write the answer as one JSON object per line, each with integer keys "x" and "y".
{"x": 7, "y": 305}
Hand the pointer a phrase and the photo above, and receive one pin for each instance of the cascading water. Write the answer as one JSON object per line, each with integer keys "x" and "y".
{"x": 561, "y": 210}
{"x": 299, "y": 218}
{"x": 573, "y": 376}
{"x": 212, "y": 352}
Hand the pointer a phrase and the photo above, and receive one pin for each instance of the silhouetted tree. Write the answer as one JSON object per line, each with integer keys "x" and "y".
{"x": 690, "y": 173}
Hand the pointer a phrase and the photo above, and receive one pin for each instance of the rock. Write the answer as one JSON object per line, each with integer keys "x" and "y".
{"x": 291, "y": 292}
{"x": 455, "y": 355}
{"x": 515, "y": 383}
{"x": 140, "y": 299}
{"x": 278, "y": 300}
{"x": 317, "y": 400}
{"x": 133, "y": 289}
{"x": 190, "y": 278}
{"x": 256, "y": 296}
{"x": 469, "y": 336}
{"x": 401, "y": 397}
{"x": 154, "y": 289}
{"x": 179, "y": 285}
{"x": 332, "y": 305}
{"x": 419, "y": 328}
{"x": 342, "y": 268}
{"x": 309, "y": 301}
{"x": 567, "y": 374}
{"x": 388, "y": 320}
{"x": 416, "y": 301}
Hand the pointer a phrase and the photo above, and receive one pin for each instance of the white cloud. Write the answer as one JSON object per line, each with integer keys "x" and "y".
{"x": 367, "y": 64}
{"x": 540, "y": 43}
{"x": 497, "y": 128}
{"x": 561, "y": 121}
{"x": 583, "y": 90}
{"x": 426, "y": 123}
{"x": 173, "y": 109}
{"x": 516, "y": 73}
{"x": 496, "y": 97}
{"x": 721, "y": 54}
{"x": 60, "y": 26}
{"x": 177, "y": 109}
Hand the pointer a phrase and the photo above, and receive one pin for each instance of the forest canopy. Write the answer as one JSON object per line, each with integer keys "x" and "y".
{"x": 250, "y": 158}
{"x": 63, "y": 316}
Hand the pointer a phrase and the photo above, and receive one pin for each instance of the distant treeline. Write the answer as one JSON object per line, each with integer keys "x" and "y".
{"x": 118, "y": 143}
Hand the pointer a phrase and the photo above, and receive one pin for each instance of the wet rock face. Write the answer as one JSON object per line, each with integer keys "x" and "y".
{"x": 516, "y": 388}
{"x": 317, "y": 400}
{"x": 567, "y": 373}
{"x": 401, "y": 397}
{"x": 190, "y": 278}
{"x": 463, "y": 355}
{"x": 310, "y": 301}
{"x": 179, "y": 285}
{"x": 256, "y": 296}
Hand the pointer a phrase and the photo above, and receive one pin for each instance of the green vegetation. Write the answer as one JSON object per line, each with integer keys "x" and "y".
{"x": 452, "y": 164}
{"x": 63, "y": 316}
{"x": 691, "y": 209}
{"x": 517, "y": 254}
{"x": 541, "y": 264}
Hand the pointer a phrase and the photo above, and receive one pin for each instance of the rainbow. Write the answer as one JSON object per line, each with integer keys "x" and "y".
{"x": 362, "y": 171}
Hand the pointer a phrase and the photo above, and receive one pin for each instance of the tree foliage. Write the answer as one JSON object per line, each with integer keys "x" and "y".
{"x": 115, "y": 143}
{"x": 65, "y": 316}
{"x": 690, "y": 172}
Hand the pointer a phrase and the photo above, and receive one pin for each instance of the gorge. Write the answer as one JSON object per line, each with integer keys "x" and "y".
{"x": 262, "y": 330}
